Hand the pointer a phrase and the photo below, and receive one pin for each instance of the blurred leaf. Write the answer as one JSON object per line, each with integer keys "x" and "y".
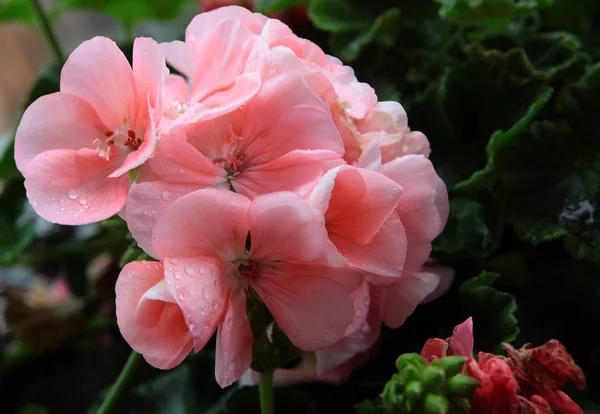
{"x": 474, "y": 226}
{"x": 17, "y": 11}
{"x": 129, "y": 12}
{"x": 16, "y": 234}
{"x": 270, "y": 6}
{"x": 493, "y": 14}
{"x": 132, "y": 254}
{"x": 572, "y": 16}
{"x": 339, "y": 16}
{"x": 550, "y": 176}
{"x": 348, "y": 46}
{"x": 493, "y": 311}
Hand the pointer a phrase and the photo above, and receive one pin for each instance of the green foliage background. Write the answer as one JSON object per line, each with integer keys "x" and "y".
{"x": 508, "y": 93}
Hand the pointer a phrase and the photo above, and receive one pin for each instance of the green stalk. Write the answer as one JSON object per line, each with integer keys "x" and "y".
{"x": 266, "y": 393}
{"x": 47, "y": 29}
{"x": 121, "y": 384}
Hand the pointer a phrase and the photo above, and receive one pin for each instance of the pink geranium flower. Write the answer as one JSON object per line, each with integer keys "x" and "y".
{"x": 75, "y": 147}
{"x": 201, "y": 239}
{"x": 283, "y": 139}
{"x": 497, "y": 390}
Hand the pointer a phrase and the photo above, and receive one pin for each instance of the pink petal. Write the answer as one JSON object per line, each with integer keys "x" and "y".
{"x": 296, "y": 171}
{"x": 423, "y": 207}
{"x": 283, "y": 227}
{"x": 149, "y": 73}
{"x": 98, "y": 72}
{"x": 404, "y": 296}
{"x": 56, "y": 121}
{"x": 383, "y": 255}
{"x": 175, "y": 89}
{"x": 205, "y": 23}
{"x": 221, "y": 56}
{"x": 72, "y": 187}
{"x": 461, "y": 342}
{"x": 446, "y": 276}
{"x": 178, "y": 161}
{"x": 166, "y": 341}
{"x": 358, "y": 202}
{"x": 434, "y": 348}
{"x": 286, "y": 107}
{"x": 370, "y": 158}
{"x": 234, "y": 342}
{"x": 145, "y": 204}
{"x": 202, "y": 291}
{"x": 178, "y": 55}
{"x": 209, "y": 223}
{"x": 310, "y": 303}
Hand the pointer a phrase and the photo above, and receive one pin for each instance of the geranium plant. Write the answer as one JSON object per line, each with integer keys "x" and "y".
{"x": 276, "y": 211}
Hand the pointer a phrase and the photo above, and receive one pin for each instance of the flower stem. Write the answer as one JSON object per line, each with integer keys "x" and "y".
{"x": 47, "y": 29}
{"x": 121, "y": 384}
{"x": 266, "y": 393}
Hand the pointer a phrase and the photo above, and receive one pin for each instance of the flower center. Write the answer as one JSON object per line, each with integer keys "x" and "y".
{"x": 175, "y": 109}
{"x": 247, "y": 270}
{"x": 233, "y": 163}
{"x": 124, "y": 137}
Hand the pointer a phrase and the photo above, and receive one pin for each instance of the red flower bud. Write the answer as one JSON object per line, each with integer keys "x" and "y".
{"x": 498, "y": 390}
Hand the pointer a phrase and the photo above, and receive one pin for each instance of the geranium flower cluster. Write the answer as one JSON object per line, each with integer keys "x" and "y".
{"x": 527, "y": 380}
{"x": 265, "y": 166}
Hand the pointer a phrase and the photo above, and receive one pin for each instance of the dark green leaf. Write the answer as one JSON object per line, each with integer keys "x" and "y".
{"x": 470, "y": 104}
{"x": 550, "y": 176}
{"x": 17, "y": 11}
{"x": 474, "y": 226}
{"x": 270, "y": 6}
{"x": 16, "y": 233}
{"x": 494, "y": 312}
{"x": 339, "y": 16}
{"x": 132, "y": 254}
{"x": 371, "y": 407}
{"x": 349, "y": 45}
{"x": 493, "y": 14}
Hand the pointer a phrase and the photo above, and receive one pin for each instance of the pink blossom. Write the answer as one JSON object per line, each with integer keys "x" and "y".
{"x": 201, "y": 239}
{"x": 75, "y": 147}
{"x": 459, "y": 344}
{"x": 283, "y": 139}
{"x": 149, "y": 317}
{"x": 275, "y": 49}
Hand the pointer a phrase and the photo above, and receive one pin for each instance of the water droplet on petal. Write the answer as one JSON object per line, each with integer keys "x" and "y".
{"x": 192, "y": 326}
{"x": 165, "y": 195}
{"x": 178, "y": 275}
{"x": 62, "y": 201}
{"x": 82, "y": 201}
{"x": 72, "y": 194}
{"x": 190, "y": 271}
{"x": 181, "y": 296}
{"x": 201, "y": 271}
{"x": 174, "y": 261}
{"x": 215, "y": 305}
{"x": 205, "y": 293}
{"x": 202, "y": 313}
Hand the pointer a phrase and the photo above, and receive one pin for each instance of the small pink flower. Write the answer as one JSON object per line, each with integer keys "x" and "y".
{"x": 149, "y": 317}
{"x": 201, "y": 239}
{"x": 497, "y": 390}
{"x": 283, "y": 139}
{"x": 75, "y": 147}
{"x": 459, "y": 344}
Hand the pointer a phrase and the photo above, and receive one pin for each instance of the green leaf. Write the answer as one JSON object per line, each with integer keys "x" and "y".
{"x": 571, "y": 16}
{"x": 129, "y": 12}
{"x": 494, "y": 312}
{"x": 371, "y": 407}
{"x": 493, "y": 14}
{"x": 17, "y": 232}
{"x": 339, "y": 16}
{"x": 349, "y": 45}
{"x": 550, "y": 176}
{"x": 17, "y": 11}
{"x": 474, "y": 226}
{"x": 471, "y": 103}
{"x": 132, "y": 254}
{"x": 270, "y": 6}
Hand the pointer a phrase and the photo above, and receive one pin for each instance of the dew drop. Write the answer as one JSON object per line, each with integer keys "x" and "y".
{"x": 72, "y": 194}
{"x": 53, "y": 182}
{"x": 201, "y": 271}
{"x": 215, "y": 305}
{"x": 165, "y": 195}
{"x": 192, "y": 326}
{"x": 174, "y": 261}
{"x": 62, "y": 201}
{"x": 205, "y": 293}
{"x": 190, "y": 271}
{"x": 62, "y": 209}
{"x": 178, "y": 275}
{"x": 181, "y": 296}
{"x": 82, "y": 201}
{"x": 202, "y": 313}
